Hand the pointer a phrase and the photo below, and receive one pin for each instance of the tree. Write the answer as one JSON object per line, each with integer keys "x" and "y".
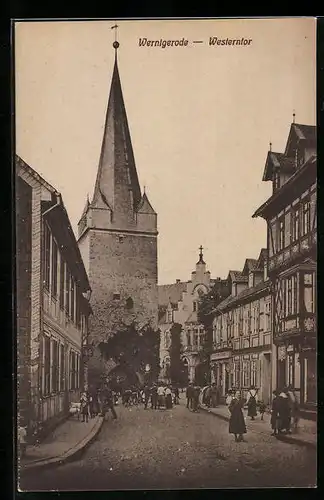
{"x": 132, "y": 349}
{"x": 178, "y": 372}
{"x": 206, "y": 306}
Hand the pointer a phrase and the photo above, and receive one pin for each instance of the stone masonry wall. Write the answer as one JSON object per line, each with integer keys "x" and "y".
{"x": 126, "y": 265}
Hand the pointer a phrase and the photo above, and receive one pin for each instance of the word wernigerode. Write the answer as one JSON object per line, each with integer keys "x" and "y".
{"x": 144, "y": 42}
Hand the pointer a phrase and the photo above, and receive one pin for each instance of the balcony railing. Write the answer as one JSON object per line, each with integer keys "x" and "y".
{"x": 304, "y": 245}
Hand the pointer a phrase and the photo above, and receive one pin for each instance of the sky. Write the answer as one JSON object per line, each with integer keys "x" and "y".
{"x": 200, "y": 116}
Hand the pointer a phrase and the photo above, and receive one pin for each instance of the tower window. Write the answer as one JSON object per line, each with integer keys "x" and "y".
{"x": 129, "y": 303}
{"x": 120, "y": 238}
{"x": 116, "y": 296}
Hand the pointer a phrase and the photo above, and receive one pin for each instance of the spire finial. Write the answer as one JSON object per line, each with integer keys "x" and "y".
{"x": 294, "y": 116}
{"x": 201, "y": 253}
{"x": 144, "y": 188}
{"x": 116, "y": 43}
{"x": 270, "y": 146}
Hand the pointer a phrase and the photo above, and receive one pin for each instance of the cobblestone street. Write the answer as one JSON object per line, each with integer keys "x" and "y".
{"x": 159, "y": 449}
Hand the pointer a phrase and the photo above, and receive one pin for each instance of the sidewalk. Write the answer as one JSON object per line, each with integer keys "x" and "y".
{"x": 306, "y": 434}
{"x": 63, "y": 444}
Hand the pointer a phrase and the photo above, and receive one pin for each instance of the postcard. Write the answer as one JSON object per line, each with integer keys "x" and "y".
{"x": 166, "y": 233}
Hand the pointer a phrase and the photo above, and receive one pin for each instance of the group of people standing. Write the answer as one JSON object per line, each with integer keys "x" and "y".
{"x": 284, "y": 411}
{"x": 192, "y": 395}
{"x": 97, "y": 402}
{"x": 160, "y": 396}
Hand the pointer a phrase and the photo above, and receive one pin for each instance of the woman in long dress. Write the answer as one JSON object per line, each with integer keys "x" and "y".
{"x": 237, "y": 423}
{"x": 168, "y": 398}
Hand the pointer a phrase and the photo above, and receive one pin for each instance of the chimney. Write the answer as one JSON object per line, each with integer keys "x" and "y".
{"x": 177, "y": 281}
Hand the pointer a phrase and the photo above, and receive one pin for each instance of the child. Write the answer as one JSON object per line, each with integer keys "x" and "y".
{"x": 262, "y": 409}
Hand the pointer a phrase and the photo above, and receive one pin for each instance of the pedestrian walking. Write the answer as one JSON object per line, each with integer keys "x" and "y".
{"x": 85, "y": 406}
{"x": 213, "y": 395}
{"x": 274, "y": 421}
{"x": 262, "y": 408}
{"x": 252, "y": 402}
{"x": 195, "y": 398}
{"x": 176, "y": 395}
{"x": 236, "y": 423}
{"x": 147, "y": 395}
{"x": 108, "y": 401}
{"x": 154, "y": 397}
{"x": 208, "y": 396}
{"x": 22, "y": 440}
{"x": 168, "y": 398}
{"x": 284, "y": 411}
{"x": 161, "y": 396}
{"x": 94, "y": 410}
{"x": 229, "y": 397}
{"x": 294, "y": 408}
{"x": 189, "y": 395}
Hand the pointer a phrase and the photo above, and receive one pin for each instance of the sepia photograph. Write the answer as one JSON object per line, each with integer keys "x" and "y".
{"x": 165, "y": 178}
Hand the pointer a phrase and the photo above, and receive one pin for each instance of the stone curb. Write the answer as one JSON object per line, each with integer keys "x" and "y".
{"x": 69, "y": 455}
{"x": 284, "y": 438}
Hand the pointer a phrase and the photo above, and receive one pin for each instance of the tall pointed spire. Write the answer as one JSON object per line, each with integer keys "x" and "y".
{"x": 117, "y": 187}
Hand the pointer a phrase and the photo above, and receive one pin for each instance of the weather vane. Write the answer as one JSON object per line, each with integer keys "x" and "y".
{"x": 115, "y": 44}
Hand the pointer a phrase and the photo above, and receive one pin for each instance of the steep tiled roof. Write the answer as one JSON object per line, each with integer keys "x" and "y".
{"x": 231, "y": 300}
{"x": 250, "y": 265}
{"x": 307, "y": 132}
{"x": 171, "y": 293}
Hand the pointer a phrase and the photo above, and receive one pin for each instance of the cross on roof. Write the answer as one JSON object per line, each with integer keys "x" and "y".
{"x": 115, "y": 44}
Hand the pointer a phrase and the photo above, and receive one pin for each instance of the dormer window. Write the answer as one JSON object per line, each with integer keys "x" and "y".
{"x": 276, "y": 181}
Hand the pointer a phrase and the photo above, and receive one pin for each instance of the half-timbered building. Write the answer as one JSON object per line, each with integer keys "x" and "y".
{"x": 52, "y": 304}
{"x": 242, "y": 347}
{"x": 290, "y": 213}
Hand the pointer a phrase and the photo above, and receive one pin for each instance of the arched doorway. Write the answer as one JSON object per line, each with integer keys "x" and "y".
{"x": 201, "y": 374}
{"x": 185, "y": 366}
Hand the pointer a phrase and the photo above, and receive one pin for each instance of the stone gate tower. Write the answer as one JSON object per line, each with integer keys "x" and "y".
{"x": 118, "y": 232}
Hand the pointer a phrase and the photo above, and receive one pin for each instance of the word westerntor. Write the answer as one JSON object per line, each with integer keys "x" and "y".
{"x": 214, "y": 40}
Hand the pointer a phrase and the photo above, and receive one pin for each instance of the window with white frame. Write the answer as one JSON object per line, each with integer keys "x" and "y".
{"x": 253, "y": 365}
{"x": 47, "y": 365}
{"x": 309, "y": 292}
{"x": 246, "y": 373}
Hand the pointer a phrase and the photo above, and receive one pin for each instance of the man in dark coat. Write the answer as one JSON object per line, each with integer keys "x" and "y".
{"x": 108, "y": 401}
{"x": 154, "y": 397}
{"x": 195, "y": 398}
{"x": 189, "y": 395}
{"x": 284, "y": 411}
{"x": 147, "y": 394}
{"x": 275, "y": 413}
